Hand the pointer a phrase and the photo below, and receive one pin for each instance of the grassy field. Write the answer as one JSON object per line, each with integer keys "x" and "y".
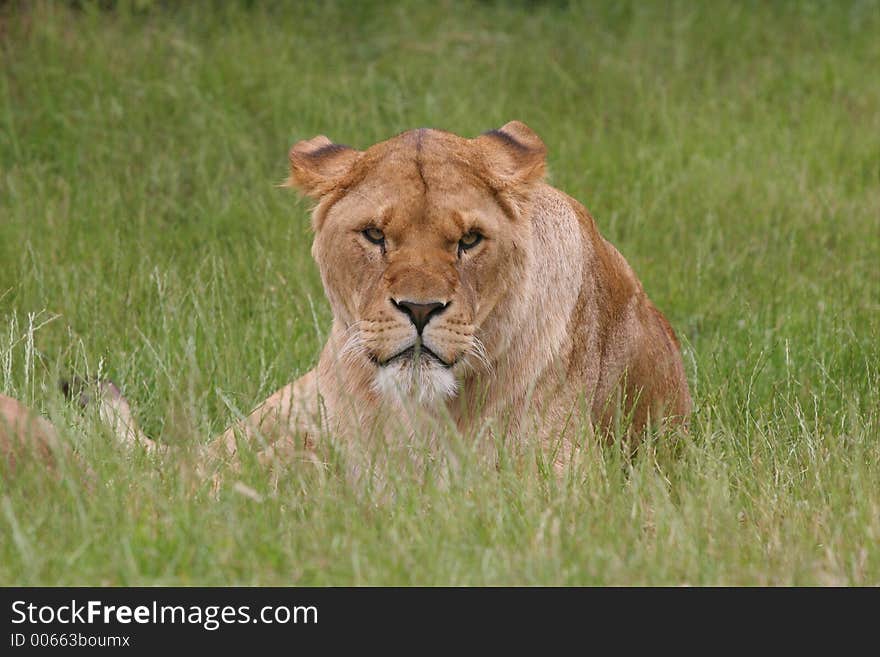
{"x": 730, "y": 151}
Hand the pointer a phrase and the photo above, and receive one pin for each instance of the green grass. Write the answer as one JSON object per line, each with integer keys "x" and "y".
{"x": 730, "y": 151}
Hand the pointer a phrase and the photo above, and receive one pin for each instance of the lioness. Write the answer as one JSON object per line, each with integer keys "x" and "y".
{"x": 463, "y": 285}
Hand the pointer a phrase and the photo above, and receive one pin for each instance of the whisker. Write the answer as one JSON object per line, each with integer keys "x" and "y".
{"x": 354, "y": 327}
{"x": 352, "y": 348}
{"x": 478, "y": 349}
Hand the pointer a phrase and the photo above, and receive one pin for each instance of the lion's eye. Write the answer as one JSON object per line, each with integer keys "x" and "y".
{"x": 469, "y": 241}
{"x": 375, "y": 235}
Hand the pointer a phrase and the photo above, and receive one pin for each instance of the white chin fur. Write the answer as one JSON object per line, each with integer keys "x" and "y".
{"x": 424, "y": 381}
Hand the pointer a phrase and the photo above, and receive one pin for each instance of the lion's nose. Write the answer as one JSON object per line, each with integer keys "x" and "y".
{"x": 420, "y": 313}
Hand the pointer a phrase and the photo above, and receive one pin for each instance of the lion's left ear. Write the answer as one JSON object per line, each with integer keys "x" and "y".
{"x": 514, "y": 154}
{"x": 317, "y": 165}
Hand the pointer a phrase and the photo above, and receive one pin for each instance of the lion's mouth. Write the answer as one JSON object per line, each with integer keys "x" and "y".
{"x": 414, "y": 351}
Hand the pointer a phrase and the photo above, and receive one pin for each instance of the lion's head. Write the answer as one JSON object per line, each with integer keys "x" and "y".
{"x": 420, "y": 241}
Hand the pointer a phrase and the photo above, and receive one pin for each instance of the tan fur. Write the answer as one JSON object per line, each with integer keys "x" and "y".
{"x": 546, "y": 330}
{"x": 24, "y": 435}
{"x": 543, "y": 315}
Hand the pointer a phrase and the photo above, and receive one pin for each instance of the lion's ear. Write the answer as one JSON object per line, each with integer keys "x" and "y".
{"x": 317, "y": 165}
{"x": 513, "y": 154}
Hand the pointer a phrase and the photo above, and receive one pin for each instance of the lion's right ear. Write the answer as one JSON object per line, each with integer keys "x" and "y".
{"x": 317, "y": 165}
{"x": 514, "y": 154}
{"x": 514, "y": 158}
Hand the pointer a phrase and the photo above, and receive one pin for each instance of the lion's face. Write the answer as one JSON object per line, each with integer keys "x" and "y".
{"x": 419, "y": 240}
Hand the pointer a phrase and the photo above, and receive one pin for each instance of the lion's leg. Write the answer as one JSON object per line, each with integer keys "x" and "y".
{"x": 24, "y": 434}
{"x": 286, "y": 422}
{"x": 279, "y": 428}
